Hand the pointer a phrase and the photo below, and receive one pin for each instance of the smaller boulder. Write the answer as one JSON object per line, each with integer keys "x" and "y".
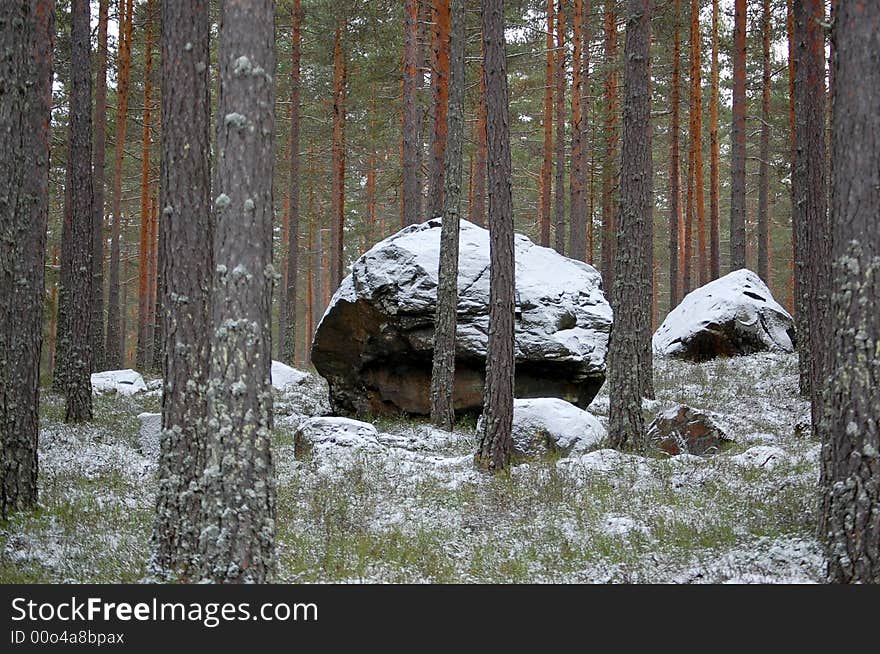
{"x": 760, "y": 456}
{"x": 299, "y": 393}
{"x": 150, "y": 432}
{"x": 545, "y": 424}
{"x": 684, "y": 430}
{"x": 733, "y": 315}
{"x": 283, "y": 376}
{"x": 343, "y": 432}
{"x": 122, "y": 382}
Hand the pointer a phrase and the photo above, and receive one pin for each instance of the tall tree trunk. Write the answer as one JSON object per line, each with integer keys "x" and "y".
{"x": 547, "y": 164}
{"x": 412, "y": 117}
{"x": 559, "y": 214}
{"x": 714, "y": 211}
{"x": 239, "y": 546}
{"x": 496, "y": 440}
{"x": 26, "y": 39}
{"x": 814, "y": 230}
{"x": 186, "y": 266}
{"x": 146, "y": 217}
{"x": 610, "y": 161}
{"x": 579, "y": 146}
{"x": 443, "y": 365}
{"x": 440, "y": 90}
{"x": 764, "y": 165}
{"x": 76, "y": 279}
{"x": 793, "y": 281}
{"x": 697, "y": 141}
{"x": 627, "y": 367}
{"x": 53, "y": 314}
{"x": 100, "y": 150}
{"x": 151, "y": 281}
{"x": 289, "y": 336}
{"x": 850, "y": 431}
{"x": 337, "y": 190}
{"x": 113, "y": 347}
{"x": 675, "y": 167}
{"x": 478, "y": 206}
{"x": 738, "y": 142}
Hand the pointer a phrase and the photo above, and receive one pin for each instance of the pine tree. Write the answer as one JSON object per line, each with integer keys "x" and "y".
{"x": 443, "y": 369}
{"x": 738, "y": 142}
{"x": 496, "y": 440}
{"x": 559, "y": 200}
{"x": 547, "y": 165}
{"x": 675, "y": 293}
{"x": 714, "y": 211}
{"x": 851, "y": 438}
{"x": 764, "y": 156}
{"x": 440, "y": 103}
{"x": 186, "y": 267}
{"x": 100, "y": 150}
{"x": 76, "y": 267}
{"x": 143, "y": 333}
{"x": 610, "y": 168}
{"x": 26, "y": 41}
{"x": 238, "y": 546}
{"x": 627, "y": 368}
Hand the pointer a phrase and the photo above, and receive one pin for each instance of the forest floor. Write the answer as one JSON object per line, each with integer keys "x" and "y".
{"x": 412, "y": 509}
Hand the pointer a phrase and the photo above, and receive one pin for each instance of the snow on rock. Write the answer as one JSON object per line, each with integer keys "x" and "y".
{"x": 374, "y": 343}
{"x": 735, "y": 314}
{"x": 760, "y": 456}
{"x": 150, "y": 432}
{"x": 123, "y": 382}
{"x": 605, "y": 461}
{"x": 283, "y": 376}
{"x": 550, "y": 424}
{"x": 343, "y": 432}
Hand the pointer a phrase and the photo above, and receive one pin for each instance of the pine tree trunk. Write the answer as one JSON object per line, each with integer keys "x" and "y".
{"x": 547, "y": 165}
{"x": 632, "y": 301}
{"x": 738, "y": 142}
{"x": 26, "y": 40}
{"x": 146, "y": 217}
{"x": 440, "y": 90}
{"x": 239, "y": 546}
{"x": 496, "y": 441}
{"x": 697, "y": 142}
{"x": 850, "y": 431}
{"x": 675, "y": 167}
{"x": 478, "y": 206}
{"x": 814, "y": 233}
{"x": 412, "y": 128}
{"x": 113, "y": 346}
{"x": 559, "y": 214}
{"x": 610, "y": 163}
{"x": 714, "y": 210}
{"x": 289, "y": 336}
{"x": 183, "y": 287}
{"x": 443, "y": 368}
{"x": 337, "y": 188}
{"x": 76, "y": 291}
{"x": 793, "y": 280}
{"x": 98, "y": 175}
{"x": 580, "y": 66}
{"x": 764, "y": 165}
{"x": 53, "y": 314}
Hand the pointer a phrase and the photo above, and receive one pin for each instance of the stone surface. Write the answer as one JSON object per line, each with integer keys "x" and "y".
{"x": 375, "y": 341}
{"x": 684, "y": 430}
{"x": 284, "y": 377}
{"x": 149, "y": 435}
{"x": 123, "y": 382}
{"x": 735, "y": 314}
{"x": 331, "y": 430}
{"x": 546, "y": 424}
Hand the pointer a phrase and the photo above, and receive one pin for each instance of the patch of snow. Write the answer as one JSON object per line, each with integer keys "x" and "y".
{"x": 123, "y": 382}
{"x": 344, "y": 432}
{"x": 283, "y": 376}
{"x": 760, "y": 456}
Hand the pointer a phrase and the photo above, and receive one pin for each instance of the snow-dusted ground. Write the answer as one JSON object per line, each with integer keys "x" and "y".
{"x": 408, "y": 507}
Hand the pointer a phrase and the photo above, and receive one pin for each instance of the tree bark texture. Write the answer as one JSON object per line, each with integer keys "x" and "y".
{"x": 440, "y": 91}
{"x": 412, "y": 117}
{"x": 238, "y": 526}
{"x": 100, "y": 157}
{"x": 738, "y": 142}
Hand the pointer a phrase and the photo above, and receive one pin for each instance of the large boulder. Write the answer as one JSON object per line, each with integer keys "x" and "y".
{"x": 375, "y": 342}
{"x": 735, "y": 314}
{"x": 548, "y": 424}
{"x": 121, "y": 382}
{"x": 682, "y": 429}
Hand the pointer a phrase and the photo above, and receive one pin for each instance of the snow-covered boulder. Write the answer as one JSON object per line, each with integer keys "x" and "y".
{"x": 735, "y": 314}
{"x": 374, "y": 343}
{"x": 682, "y": 429}
{"x": 298, "y": 393}
{"x": 123, "y": 382}
{"x": 150, "y": 433}
{"x": 331, "y": 430}
{"x": 549, "y": 424}
{"x": 760, "y": 456}
{"x": 283, "y": 376}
